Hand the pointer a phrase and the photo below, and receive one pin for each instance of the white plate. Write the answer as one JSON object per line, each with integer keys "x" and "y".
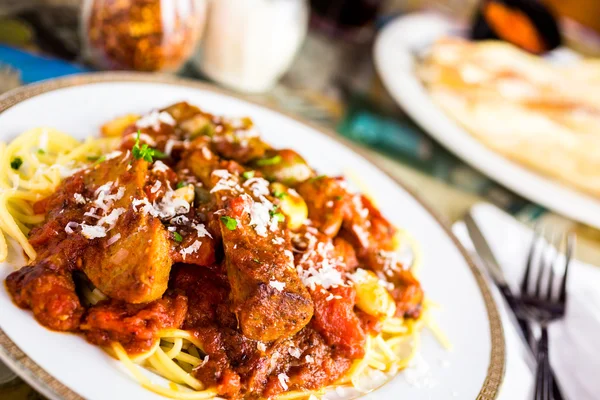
{"x": 79, "y": 105}
{"x": 395, "y": 51}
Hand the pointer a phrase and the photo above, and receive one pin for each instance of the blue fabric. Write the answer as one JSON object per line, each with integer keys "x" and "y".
{"x": 33, "y": 67}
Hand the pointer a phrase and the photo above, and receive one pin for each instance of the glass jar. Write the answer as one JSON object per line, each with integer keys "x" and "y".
{"x": 250, "y": 44}
{"x": 141, "y": 35}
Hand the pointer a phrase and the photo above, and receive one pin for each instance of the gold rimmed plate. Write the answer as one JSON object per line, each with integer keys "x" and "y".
{"x": 65, "y": 366}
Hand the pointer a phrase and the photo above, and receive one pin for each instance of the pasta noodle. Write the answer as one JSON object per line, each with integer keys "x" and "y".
{"x": 31, "y": 167}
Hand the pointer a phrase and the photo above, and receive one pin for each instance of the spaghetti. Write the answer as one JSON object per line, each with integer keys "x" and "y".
{"x": 381, "y": 287}
{"x": 31, "y": 167}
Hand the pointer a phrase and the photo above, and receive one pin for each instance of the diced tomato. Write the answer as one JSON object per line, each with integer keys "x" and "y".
{"x": 335, "y": 320}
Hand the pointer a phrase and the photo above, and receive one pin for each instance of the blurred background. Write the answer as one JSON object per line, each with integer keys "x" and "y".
{"x": 312, "y": 58}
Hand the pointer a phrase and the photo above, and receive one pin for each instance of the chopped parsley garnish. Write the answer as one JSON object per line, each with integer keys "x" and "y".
{"x": 41, "y": 151}
{"x": 318, "y": 178}
{"x": 248, "y": 174}
{"x": 16, "y": 163}
{"x": 279, "y": 217}
{"x": 256, "y": 260}
{"x": 338, "y": 198}
{"x": 159, "y": 154}
{"x": 269, "y": 161}
{"x": 100, "y": 159}
{"x": 181, "y": 184}
{"x": 178, "y": 238}
{"x": 279, "y": 194}
{"x": 144, "y": 152}
{"x": 230, "y": 223}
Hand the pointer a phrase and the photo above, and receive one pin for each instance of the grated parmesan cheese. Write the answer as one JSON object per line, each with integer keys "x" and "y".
{"x": 201, "y": 229}
{"x": 260, "y": 216}
{"x": 91, "y": 213}
{"x": 261, "y": 346}
{"x": 258, "y": 186}
{"x": 204, "y": 361}
{"x": 111, "y": 219}
{"x": 79, "y": 199}
{"x": 169, "y": 146}
{"x": 206, "y": 153}
{"x": 70, "y": 226}
{"x": 113, "y": 239}
{"x": 113, "y": 154}
{"x": 295, "y": 352}
{"x": 277, "y": 285}
{"x": 309, "y": 359}
{"x": 92, "y": 231}
{"x": 160, "y": 166}
{"x": 154, "y": 119}
{"x": 191, "y": 249}
{"x": 226, "y": 182}
{"x": 179, "y": 220}
{"x": 326, "y": 276}
{"x": 156, "y": 187}
{"x": 283, "y": 380}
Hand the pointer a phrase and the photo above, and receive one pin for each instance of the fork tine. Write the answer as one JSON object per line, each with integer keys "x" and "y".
{"x": 557, "y": 240}
{"x": 543, "y": 262}
{"x": 525, "y": 281}
{"x": 568, "y": 255}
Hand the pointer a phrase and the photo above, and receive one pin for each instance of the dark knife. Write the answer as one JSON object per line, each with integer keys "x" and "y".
{"x": 495, "y": 271}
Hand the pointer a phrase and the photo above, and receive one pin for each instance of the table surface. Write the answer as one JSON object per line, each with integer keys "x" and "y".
{"x": 340, "y": 98}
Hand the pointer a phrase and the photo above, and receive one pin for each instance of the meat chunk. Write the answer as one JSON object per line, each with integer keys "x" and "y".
{"x": 408, "y": 294}
{"x": 135, "y": 268}
{"x": 134, "y": 326}
{"x": 269, "y": 298}
{"x": 49, "y": 293}
{"x": 327, "y": 202}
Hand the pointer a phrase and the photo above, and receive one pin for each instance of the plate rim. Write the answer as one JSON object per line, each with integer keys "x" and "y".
{"x": 52, "y": 388}
{"x": 556, "y": 187}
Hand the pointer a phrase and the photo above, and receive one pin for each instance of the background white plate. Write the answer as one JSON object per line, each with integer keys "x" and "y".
{"x": 395, "y": 51}
{"x": 74, "y": 105}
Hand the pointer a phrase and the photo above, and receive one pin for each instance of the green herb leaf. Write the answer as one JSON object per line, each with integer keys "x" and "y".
{"x": 159, "y": 154}
{"x": 41, "y": 151}
{"x": 100, "y": 159}
{"x": 279, "y": 195}
{"x": 256, "y": 260}
{"x": 145, "y": 153}
{"x": 269, "y": 161}
{"x": 178, "y": 238}
{"x": 279, "y": 217}
{"x": 16, "y": 163}
{"x": 181, "y": 184}
{"x": 230, "y": 223}
{"x": 318, "y": 178}
{"x": 338, "y": 198}
{"x": 248, "y": 174}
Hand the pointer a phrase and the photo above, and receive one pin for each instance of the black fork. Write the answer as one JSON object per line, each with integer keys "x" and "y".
{"x": 541, "y": 305}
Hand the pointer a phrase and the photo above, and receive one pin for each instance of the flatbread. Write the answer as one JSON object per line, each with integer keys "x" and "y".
{"x": 543, "y": 116}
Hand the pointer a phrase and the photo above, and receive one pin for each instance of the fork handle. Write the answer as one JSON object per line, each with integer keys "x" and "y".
{"x": 543, "y": 378}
